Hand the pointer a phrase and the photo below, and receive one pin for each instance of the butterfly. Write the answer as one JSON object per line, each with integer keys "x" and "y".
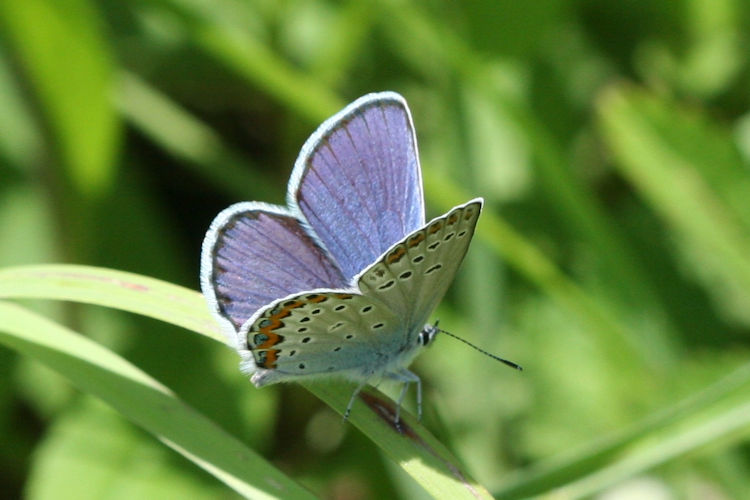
{"x": 342, "y": 280}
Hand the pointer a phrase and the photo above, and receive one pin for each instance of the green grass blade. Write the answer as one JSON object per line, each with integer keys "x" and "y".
{"x": 231, "y": 43}
{"x": 186, "y": 137}
{"x": 678, "y": 185}
{"x": 345, "y": 40}
{"x": 715, "y": 413}
{"x": 65, "y": 59}
{"x": 19, "y": 134}
{"x": 733, "y": 423}
{"x": 98, "y": 371}
{"x": 416, "y": 450}
{"x": 116, "y": 289}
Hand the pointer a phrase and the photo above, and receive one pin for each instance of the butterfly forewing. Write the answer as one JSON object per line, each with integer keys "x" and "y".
{"x": 413, "y": 275}
{"x": 358, "y": 182}
{"x": 319, "y": 332}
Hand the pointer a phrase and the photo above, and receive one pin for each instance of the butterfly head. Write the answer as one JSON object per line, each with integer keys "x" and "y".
{"x": 427, "y": 334}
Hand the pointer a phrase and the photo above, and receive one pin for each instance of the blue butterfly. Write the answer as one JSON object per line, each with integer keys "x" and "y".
{"x": 341, "y": 281}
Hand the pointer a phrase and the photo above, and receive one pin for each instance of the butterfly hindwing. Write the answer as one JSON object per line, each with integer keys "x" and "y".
{"x": 414, "y": 274}
{"x": 318, "y": 332}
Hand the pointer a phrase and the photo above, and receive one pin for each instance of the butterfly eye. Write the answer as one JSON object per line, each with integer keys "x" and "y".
{"x": 425, "y": 337}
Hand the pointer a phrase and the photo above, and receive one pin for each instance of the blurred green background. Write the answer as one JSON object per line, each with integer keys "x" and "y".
{"x": 611, "y": 141}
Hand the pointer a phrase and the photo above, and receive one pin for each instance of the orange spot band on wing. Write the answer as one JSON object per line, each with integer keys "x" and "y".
{"x": 269, "y": 359}
{"x": 287, "y": 309}
{"x": 416, "y": 240}
{"x": 435, "y": 227}
{"x": 396, "y": 255}
{"x": 273, "y": 322}
{"x": 273, "y": 339}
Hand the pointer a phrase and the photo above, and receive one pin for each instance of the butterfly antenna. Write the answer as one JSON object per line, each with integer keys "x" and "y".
{"x": 497, "y": 358}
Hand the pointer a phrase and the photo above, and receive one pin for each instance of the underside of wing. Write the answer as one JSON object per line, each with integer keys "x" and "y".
{"x": 254, "y": 254}
{"x": 413, "y": 275}
{"x": 319, "y": 332}
{"x": 358, "y": 181}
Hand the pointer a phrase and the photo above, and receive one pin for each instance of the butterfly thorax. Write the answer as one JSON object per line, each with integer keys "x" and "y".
{"x": 394, "y": 359}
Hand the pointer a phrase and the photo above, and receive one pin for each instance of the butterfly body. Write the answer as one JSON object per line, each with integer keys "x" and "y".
{"x": 342, "y": 281}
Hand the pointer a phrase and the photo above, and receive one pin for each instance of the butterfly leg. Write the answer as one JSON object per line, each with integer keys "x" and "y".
{"x": 351, "y": 400}
{"x": 407, "y": 378}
